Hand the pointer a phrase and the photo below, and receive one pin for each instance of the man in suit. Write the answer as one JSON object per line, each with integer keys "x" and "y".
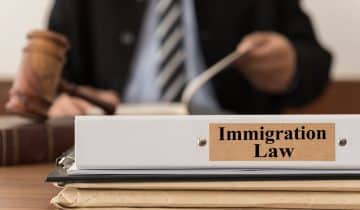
{"x": 141, "y": 51}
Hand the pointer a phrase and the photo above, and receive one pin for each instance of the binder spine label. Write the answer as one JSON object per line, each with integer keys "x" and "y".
{"x": 272, "y": 142}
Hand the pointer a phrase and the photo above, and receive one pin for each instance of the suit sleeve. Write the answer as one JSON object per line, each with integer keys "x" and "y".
{"x": 68, "y": 17}
{"x": 313, "y": 61}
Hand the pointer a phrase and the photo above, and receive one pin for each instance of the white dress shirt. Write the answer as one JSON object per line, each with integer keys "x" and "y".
{"x": 141, "y": 87}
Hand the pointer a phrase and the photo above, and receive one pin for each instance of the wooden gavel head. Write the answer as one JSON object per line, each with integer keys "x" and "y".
{"x": 35, "y": 86}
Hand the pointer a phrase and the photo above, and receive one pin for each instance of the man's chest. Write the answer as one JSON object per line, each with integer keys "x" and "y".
{"x": 121, "y": 20}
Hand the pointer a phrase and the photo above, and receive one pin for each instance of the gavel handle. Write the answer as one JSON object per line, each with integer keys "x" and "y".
{"x": 73, "y": 90}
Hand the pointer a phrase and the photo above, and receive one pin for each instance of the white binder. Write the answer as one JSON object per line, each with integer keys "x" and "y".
{"x": 193, "y": 142}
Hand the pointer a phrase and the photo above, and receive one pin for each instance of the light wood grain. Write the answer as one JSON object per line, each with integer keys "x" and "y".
{"x": 23, "y": 187}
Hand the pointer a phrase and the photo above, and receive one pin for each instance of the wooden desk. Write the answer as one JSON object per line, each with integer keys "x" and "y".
{"x": 23, "y": 187}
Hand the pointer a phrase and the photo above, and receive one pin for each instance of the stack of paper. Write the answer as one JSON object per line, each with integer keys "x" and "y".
{"x": 212, "y": 162}
{"x": 210, "y": 195}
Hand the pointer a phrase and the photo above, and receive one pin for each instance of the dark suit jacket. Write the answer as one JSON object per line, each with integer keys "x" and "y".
{"x": 104, "y": 33}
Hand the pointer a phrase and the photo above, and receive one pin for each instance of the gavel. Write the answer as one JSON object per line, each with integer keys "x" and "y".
{"x": 39, "y": 78}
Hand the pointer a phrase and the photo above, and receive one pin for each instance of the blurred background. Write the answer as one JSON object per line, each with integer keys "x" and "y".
{"x": 336, "y": 24}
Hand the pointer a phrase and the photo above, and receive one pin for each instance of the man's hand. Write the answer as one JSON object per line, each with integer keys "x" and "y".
{"x": 65, "y": 105}
{"x": 270, "y": 63}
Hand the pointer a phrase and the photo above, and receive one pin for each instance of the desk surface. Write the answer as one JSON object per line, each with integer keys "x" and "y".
{"x": 23, "y": 187}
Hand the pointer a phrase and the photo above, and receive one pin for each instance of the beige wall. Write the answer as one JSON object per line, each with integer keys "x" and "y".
{"x": 338, "y": 26}
{"x": 17, "y": 17}
{"x": 337, "y": 23}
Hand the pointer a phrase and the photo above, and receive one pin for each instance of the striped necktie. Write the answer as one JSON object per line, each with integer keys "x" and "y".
{"x": 171, "y": 77}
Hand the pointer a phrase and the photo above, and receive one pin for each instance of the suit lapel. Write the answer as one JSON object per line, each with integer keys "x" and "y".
{"x": 129, "y": 34}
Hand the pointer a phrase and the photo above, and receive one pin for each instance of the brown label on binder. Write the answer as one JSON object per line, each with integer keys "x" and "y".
{"x": 272, "y": 142}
